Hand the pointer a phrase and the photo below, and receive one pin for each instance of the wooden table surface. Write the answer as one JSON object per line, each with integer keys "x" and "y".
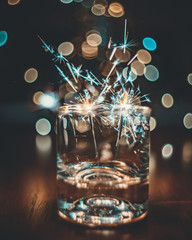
{"x": 28, "y": 192}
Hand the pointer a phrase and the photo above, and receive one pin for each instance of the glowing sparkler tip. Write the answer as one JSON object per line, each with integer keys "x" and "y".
{"x": 116, "y": 62}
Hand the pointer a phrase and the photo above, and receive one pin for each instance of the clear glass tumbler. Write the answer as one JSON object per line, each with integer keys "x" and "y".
{"x": 103, "y": 163}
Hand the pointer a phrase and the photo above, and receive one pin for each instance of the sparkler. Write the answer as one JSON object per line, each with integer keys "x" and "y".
{"x": 93, "y": 133}
{"x": 65, "y": 78}
{"x": 125, "y": 45}
{"x": 117, "y": 92}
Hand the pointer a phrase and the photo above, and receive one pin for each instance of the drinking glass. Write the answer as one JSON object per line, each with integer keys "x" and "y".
{"x": 102, "y": 163}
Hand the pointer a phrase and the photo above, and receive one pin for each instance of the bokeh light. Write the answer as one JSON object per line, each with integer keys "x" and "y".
{"x": 105, "y": 67}
{"x": 187, "y": 120}
{"x": 3, "y": 38}
{"x": 167, "y": 151}
{"x": 66, "y": 1}
{"x": 31, "y": 75}
{"x": 167, "y": 100}
{"x": 149, "y": 44}
{"x": 189, "y": 78}
{"x": 43, "y": 143}
{"x": 151, "y": 73}
{"x": 92, "y": 89}
{"x": 49, "y": 100}
{"x": 77, "y": 86}
{"x": 88, "y": 51}
{"x": 13, "y": 2}
{"x": 66, "y": 48}
{"x": 82, "y": 126}
{"x": 98, "y": 9}
{"x": 132, "y": 76}
{"x": 36, "y": 97}
{"x": 93, "y": 38}
{"x": 70, "y": 97}
{"x": 187, "y": 152}
{"x": 137, "y": 68}
{"x": 87, "y": 3}
{"x": 144, "y": 56}
{"x": 43, "y": 126}
{"x": 152, "y": 123}
{"x": 116, "y": 10}
{"x": 122, "y": 56}
{"x": 125, "y": 72}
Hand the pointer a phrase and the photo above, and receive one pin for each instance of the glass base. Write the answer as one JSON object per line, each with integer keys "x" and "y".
{"x": 99, "y": 211}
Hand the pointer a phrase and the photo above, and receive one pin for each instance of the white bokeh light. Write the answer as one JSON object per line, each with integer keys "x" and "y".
{"x": 167, "y": 151}
{"x": 153, "y": 123}
{"x": 43, "y": 143}
{"x": 48, "y": 100}
{"x": 43, "y": 126}
{"x": 187, "y": 120}
{"x": 167, "y": 100}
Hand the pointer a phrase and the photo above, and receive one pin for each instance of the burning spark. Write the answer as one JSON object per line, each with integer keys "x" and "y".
{"x": 77, "y": 71}
{"x": 47, "y": 47}
{"x": 113, "y": 67}
{"x": 112, "y": 53}
{"x": 65, "y": 78}
{"x": 72, "y": 73}
{"x": 132, "y": 59}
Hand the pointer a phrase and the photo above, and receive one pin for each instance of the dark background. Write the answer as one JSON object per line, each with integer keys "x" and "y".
{"x": 27, "y": 176}
{"x": 169, "y": 23}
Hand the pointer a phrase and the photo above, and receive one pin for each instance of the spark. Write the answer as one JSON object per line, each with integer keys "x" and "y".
{"x": 110, "y": 41}
{"x": 72, "y": 73}
{"x": 125, "y": 32}
{"x": 125, "y": 45}
{"x": 115, "y": 63}
{"x": 146, "y": 99}
{"x": 47, "y": 47}
{"x": 129, "y": 79}
{"x": 118, "y": 79}
{"x": 99, "y": 83}
{"x": 77, "y": 71}
{"x": 65, "y": 78}
{"x": 112, "y": 53}
{"x": 132, "y": 59}
{"x": 125, "y": 36}
{"x": 120, "y": 127}
{"x": 93, "y": 133}
{"x": 59, "y": 57}
{"x": 90, "y": 79}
